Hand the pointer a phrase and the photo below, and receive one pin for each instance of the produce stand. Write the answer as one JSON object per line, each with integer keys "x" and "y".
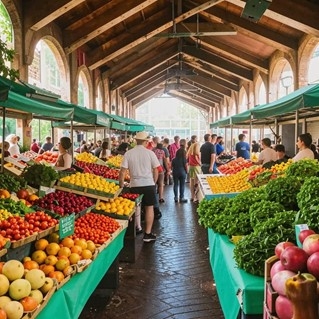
{"x": 69, "y": 300}
{"x": 240, "y": 294}
{"x": 204, "y": 190}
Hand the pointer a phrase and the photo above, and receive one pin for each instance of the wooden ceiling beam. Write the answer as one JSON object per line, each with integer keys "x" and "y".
{"x": 112, "y": 53}
{"x": 288, "y": 13}
{"x": 146, "y": 96}
{"x": 39, "y": 15}
{"x": 234, "y": 54}
{"x": 190, "y": 100}
{"x": 254, "y": 30}
{"x": 197, "y": 97}
{"x": 147, "y": 87}
{"x": 219, "y": 63}
{"x": 144, "y": 79}
{"x": 102, "y": 23}
{"x": 144, "y": 68}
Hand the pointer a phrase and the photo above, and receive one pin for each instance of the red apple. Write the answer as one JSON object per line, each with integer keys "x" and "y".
{"x": 304, "y": 234}
{"x": 313, "y": 264}
{"x": 278, "y": 282}
{"x": 284, "y": 308}
{"x": 282, "y": 246}
{"x": 276, "y": 267}
{"x": 22, "y": 194}
{"x": 311, "y": 244}
{"x": 294, "y": 258}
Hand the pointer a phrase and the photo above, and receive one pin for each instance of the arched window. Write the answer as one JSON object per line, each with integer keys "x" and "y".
{"x": 44, "y": 71}
{"x": 83, "y": 90}
{"x": 243, "y": 104}
{"x": 99, "y": 99}
{"x": 313, "y": 71}
{"x": 262, "y": 95}
{"x": 286, "y": 81}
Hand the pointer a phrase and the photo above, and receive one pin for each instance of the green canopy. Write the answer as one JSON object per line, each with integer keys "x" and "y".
{"x": 126, "y": 124}
{"x": 242, "y": 117}
{"x": 18, "y": 101}
{"x": 225, "y": 121}
{"x": 306, "y": 97}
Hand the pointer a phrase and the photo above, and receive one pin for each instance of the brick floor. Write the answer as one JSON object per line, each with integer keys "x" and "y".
{"x": 171, "y": 278}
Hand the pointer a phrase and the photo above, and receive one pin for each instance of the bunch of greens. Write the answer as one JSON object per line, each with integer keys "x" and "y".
{"x": 209, "y": 209}
{"x": 308, "y": 203}
{"x": 263, "y": 210}
{"x": 303, "y": 169}
{"x": 252, "y": 250}
{"x": 11, "y": 183}
{"x": 284, "y": 190}
{"x": 40, "y": 174}
{"x": 236, "y": 212}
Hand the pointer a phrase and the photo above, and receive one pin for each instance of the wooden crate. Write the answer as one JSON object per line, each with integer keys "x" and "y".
{"x": 270, "y": 295}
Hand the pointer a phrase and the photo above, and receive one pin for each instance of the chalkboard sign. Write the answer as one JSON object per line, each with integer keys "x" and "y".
{"x": 66, "y": 226}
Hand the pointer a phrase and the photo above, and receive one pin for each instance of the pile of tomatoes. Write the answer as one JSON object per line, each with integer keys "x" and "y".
{"x": 95, "y": 227}
{"x": 130, "y": 196}
{"x": 17, "y": 227}
{"x": 47, "y": 156}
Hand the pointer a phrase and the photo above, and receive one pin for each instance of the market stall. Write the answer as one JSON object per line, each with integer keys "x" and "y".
{"x": 238, "y": 291}
{"x": 68, "y": 302}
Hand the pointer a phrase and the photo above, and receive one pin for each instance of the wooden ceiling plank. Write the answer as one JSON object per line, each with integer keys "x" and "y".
{"x": 120, "y": 14}
{"x": 144, "y": 79}
{"x": 216, "y": 61}
{"x": 307, "y": 22}
{"x": 205, "y": 95}
{"x": 196, "y": 96}
{"x": 179, "y": 95}
{"x": 146, "y": 88}
{"x": 254, "y": 30}
{"x": 147, "y": 96}
{"x": 146, "y": 67}
{"x": 108, "y": 56}
{"x": 47, "y": 13}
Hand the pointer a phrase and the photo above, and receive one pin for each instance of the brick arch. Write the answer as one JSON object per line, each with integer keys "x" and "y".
{"x": 17, "y": 32}
{"x": 88, "y": 79}
{"x": 243, "y": 93}
{"x": 259, "y": 82}
{"x": 277, "y": 64}
{"x": 306, "y": 49}
{"x": 99, "y": 84}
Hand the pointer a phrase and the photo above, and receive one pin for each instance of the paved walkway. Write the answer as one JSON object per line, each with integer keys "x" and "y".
{"x": 171, "y": 278}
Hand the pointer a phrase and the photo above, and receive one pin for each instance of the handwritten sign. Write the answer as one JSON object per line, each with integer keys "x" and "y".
{"x": 66, "y": 226}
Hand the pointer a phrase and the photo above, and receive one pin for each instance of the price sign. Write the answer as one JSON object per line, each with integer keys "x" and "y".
{"x": 66, "y": 226}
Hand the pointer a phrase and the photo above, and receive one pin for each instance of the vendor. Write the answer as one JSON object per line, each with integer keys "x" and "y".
{"x": 5, "y": 147}
{"x": 65, "y": 159}
{"x": 304, "y": 143}
{"x": 14, "y": 147}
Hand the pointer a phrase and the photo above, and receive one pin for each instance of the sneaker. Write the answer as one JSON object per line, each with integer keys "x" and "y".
{"x": 176, "y": 200}
{"x": 183, "y": 200}
{"x": 162, "y": 200}
{"x": 138, "y": 231}
{"x": 149, "y": 238}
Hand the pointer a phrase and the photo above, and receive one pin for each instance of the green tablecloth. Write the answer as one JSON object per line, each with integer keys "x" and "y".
{"x": 235, "y": 287}
{"x": 68, "y": 302}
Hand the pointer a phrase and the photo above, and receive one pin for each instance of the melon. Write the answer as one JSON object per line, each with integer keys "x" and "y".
{"x": 48, "y": 285}
{"x": 4, "y": 284}
{"x": 36, "y": 277}
{"x": 4, "y": 300}
{"x": 37, "y": 295}
{"x": 14, "y": 310}
{"x": 19, "y": 289}
{"x": 13, "y": 269}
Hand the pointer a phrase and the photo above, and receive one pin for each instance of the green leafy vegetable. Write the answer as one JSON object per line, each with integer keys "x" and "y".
{"x": 11, "y": 183}
{"x": 284, "y": 190}
{"x": 252, "y": 250}
{"x": 40, "y": 174}
{"x": 303, "y": 169}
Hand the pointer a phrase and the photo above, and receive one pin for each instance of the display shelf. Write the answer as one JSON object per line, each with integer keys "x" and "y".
{"x": 114, "y": 215}
{"x": 240, "y": 293}
{"x": 69, "y": 300}
{"x": 206, "y": 191}
{"x": 85, "y": 193}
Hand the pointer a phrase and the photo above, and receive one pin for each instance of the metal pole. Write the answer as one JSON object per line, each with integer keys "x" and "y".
{"x": 3, "y": 133}
{"x": 296, "y": 130}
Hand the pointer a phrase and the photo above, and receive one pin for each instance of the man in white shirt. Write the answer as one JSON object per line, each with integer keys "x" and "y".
{"x": 267, "y": 154}
{"x": 143, "y": 168}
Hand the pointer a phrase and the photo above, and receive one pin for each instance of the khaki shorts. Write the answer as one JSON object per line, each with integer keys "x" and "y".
{"x": 193, "y": 170}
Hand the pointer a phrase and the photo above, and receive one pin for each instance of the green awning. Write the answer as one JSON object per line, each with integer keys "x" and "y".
{"x": 241, "y": 117}
{"x": 225, "y": 121}
{"x": 304, "y": 98}
{"x": 126, "y": 124}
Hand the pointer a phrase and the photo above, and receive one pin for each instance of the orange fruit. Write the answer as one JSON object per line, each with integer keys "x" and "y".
{"x": 58, "y": 275}
{"x": 29, "y": 303}
{"x": 86, "y": 254}
{"x": 91, "y": 246}
{"x": 27, "y": 258}
{"x": 67, "y": 242}
{"x": 39, "y": 256}
{"x": 64, "y": 251}
{"x": 76, "y": 249}
{"x": 74, "y": 258}
{"x": 41, "y": 244}
{"x": 52, "y": 249}
{"x": 30, "y": 264}
{"x": 54, "y": 238}
{"x": 67, "y": 271}
{"x": 62, "y": 264}
{"x": 81, "y": 242}
{"x": 51, "y": 260}
{"x": 1, "y": 265}
{"x": 47, "y": 268}
{"x": 32, "y": 198}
